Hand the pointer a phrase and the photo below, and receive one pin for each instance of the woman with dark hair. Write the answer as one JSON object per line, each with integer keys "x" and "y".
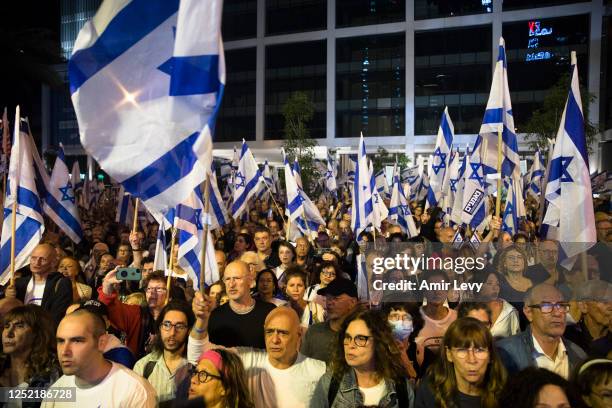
{"x": 28, "y": 357}
{"x": 514, "y": 284}
{"x": 504, "y": 316}
{"x": 242, "y": 243}
{"x": 219, "y": 380}
{"x": 594, "y": 381}
{"x": 538, "y": 387}
{"x": 70, "y": 268}
{"x": 324, "y": 275}
{"x": 309, "y": 312}
{"x": 366, "y": 369}
{"x": 467, "y": 373}
{"x": 406, "y": 321}
{"x": 286, "y": 256}
{"x": 266, "y": 287}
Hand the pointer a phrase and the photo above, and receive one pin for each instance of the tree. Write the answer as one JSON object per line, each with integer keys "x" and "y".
{"x": 383, "y": 158}
{"x": 298, "y": 110}
{"x": 545, "y": 121}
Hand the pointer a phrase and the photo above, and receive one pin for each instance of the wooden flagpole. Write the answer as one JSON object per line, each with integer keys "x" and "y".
{"x": 170, "y": 263}
{"x": 135, "y": 223}
{"x": 205, "y": 237}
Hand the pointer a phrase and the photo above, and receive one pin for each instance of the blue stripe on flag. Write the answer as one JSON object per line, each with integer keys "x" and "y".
{"x": 250, "y": 186}
{"x": 24, "y": 234}
{"x": 575, "y": 128}
{"x": 446, "y": 131}
{"x": 64, "y": 215}
{"x": 216, "y": 207}
{"x": 194, "y": 75}
{"x": 28, "y": 199}
{"x": 174, "y": 164}
{"x": 493, "y": 116}
{"x": 136, "y": 20}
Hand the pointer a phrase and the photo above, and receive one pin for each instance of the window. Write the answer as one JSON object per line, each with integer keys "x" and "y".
{"x": 538, "y": 54}
{"x": 448, "y": 8}
{"x": 523, "y": 4}
{"x": 239, "y": 19}
{"x": 452, "y": 68}
{"x": 290, "y": 68}
{"x": 291, "y": 16}
{"x": 236, "y": 118}
{"x": 351, "y": 13}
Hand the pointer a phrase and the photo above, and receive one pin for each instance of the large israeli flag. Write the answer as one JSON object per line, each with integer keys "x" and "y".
{"x": 146, "y": 78}
{"x": 361, "y": 209}
{"x": 568, "y": 191}
{"x": 29, "y": 223}
{"x": 440, "y": 160}
{"x": 247, "y": 181}
{"x": 399, "y": 210}
{"x": 499, "y": 113}
{"x": 60, "y": 204}
{"x": 475, "y": 201}
{"x": 538, "y": 168}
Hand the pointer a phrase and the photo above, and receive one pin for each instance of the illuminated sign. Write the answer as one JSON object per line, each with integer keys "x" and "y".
{"x": 535, "y": 32}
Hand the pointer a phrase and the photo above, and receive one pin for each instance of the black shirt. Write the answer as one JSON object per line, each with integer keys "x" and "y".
{"x": 425, "y": 397}
{"x": 230, "y": 329}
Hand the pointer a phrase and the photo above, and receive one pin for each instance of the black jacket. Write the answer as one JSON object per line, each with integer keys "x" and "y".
{"x": 56, "y": 297}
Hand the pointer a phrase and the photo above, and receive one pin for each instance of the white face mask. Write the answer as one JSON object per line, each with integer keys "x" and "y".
{"x": 401, "y": 329}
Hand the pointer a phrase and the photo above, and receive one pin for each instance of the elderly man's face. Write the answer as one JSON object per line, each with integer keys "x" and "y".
{"x": 547, "y": 323}
{"x": 548, "y": 252}
{"x": 603, "y": 229}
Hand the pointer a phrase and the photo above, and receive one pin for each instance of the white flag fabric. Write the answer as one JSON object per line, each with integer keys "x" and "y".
{"x": 538, "y": 168}
{"x": 379, "y": 209}
{"x": 440, "y": 160}
{"x": 456, "y": 213}
{"x": 474, "y": 209}
{"x": 216, "y": 211}
{"x": 510, "y": 217}
{"x": 146, "y": 79}
{"x": 499, "y": 113}
{"x": 60, "y": 202}
{"x": 29, "y": 223}
{"x": 568, "y": 191}
{"x": 361, "y": 208}
{"x": 399, "y": 210}
{"x": 331, "y": 174}
{"x": 247, "y": 181}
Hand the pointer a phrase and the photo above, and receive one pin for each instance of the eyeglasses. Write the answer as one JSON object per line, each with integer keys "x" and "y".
{"x": 548, "y": 307}
{"x": 167, "y": 326}
{"x": 328, "y": 274}
{"x": 204, "y": 376}
{"x": 359, "y": 340}
{"x": 480, "y": 353}
{"x": 159, "y": 291}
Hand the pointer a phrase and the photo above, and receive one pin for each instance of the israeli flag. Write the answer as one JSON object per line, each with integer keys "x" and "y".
{"x": 247, "y": 181}
{"x": 568, "y": 191}
{"x": 125, "y": 208}
{"x": 189, "y": 222}
{"x": 146, "y": 79}
{"x": 399, "y": 210}
{"x": 456, "y": 212}
{"x": 297, "y": 173}
{"x": 510, "y": 217}
{"x": 267, "y": 175}
{"x": 379, "y": 209}
{"x": 29, "y": 223}
{"x": 449, "y": 186}
{"x": 440, "y": 160}
{"x": 538, "y": 168}
{"x": 361, "y": 210}
{"x": 160, "y": 262}
{"x": 60, "y": 204}
{"x": 331, "y": 174}
{"x": 499, "y": 113}
{"x": 381, "y": 184}
{"x": 75, "y": 177}
{"x": 216, "y": 211}
{"x": 474, "y": 210}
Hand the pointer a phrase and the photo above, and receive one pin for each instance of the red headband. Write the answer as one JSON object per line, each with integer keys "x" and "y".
{"x": 213, "y": 357}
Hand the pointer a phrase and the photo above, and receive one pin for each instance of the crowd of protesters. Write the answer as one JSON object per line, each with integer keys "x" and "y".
{"x": 286, "y": 326}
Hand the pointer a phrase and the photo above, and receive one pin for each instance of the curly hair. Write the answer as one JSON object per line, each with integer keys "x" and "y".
{"x": 523, "y": 389}
{"x": 178, "y": 306}
{"x": 42, "y": 360}
{"x": 466, "y": 332}
{"x": 387, "y": 356}
{"x": 501, "y": 260}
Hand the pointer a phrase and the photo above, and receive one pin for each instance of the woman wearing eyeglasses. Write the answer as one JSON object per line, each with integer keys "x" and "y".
{"x": 219, "y": 379}
{"x": 366, "y": 369}
{"x": 468, "y": 373}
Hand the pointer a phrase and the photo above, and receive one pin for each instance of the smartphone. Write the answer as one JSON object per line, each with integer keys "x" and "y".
{"x": 129, "y": 274}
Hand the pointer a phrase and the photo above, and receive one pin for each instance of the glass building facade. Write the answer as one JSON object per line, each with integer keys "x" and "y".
{"x": 388, "y": 68}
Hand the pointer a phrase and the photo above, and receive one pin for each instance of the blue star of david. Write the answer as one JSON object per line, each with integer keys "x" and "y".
{"x": 239, "y": 180}
{"x": 565, "y": 176}
{"x": 475, "y": 172}
{"x": 198, "y": 218}
{"x": 375, "y": 198}
{"x": 442, "y": 165}
{"x": 453, "y": 185}
{"x": 328, "y": 174}
{"x": 66, "y": 190}
{"x": 403, "y": 209}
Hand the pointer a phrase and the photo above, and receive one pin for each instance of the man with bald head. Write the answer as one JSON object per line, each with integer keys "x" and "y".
{"x": 240, "y": 321}
{"x": 280, "y": 376}
{"x": 542, "y": 344}
{"x": 45, "y": 287}
{"x": 80, "y": 343}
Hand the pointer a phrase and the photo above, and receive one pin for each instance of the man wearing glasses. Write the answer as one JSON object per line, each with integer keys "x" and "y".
{"x": 167, "y": 368}
{"x": 137, "y": 321}
{"x": 542, "y": 343}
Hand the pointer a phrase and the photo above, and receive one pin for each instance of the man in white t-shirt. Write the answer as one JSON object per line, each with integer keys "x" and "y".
{"x": 96, "y": 381}
{"x": 279, "y": 376}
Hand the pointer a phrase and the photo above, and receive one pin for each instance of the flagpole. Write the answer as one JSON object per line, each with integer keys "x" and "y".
{"x": 499, "y": 165}
{"x": 13, "y": 221}
{"x": 205, "y": 238}
{"x": 170, "y": 262}
{"x": 273, "y": 200}
{"x": 135, "y": 223}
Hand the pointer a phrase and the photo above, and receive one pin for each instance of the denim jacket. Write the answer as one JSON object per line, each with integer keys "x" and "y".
{"x": 349, "y": 396}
